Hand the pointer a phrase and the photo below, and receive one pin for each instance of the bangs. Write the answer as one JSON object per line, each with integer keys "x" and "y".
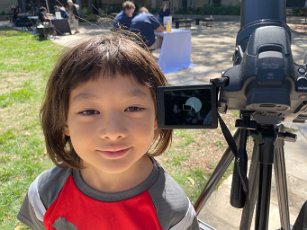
{"x": 108, "y": 58}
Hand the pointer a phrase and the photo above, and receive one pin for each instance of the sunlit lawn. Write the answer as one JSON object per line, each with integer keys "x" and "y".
{"x": 25, "y": 64}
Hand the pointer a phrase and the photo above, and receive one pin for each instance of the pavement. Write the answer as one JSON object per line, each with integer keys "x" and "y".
{"x": 212, "y": 50}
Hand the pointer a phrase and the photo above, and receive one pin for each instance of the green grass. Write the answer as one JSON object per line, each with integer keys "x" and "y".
{"x": 25, "y": 64}
{"x": 192, "y": 158}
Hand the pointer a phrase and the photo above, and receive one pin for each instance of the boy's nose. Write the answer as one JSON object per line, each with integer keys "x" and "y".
{"x": 112, "y": 127}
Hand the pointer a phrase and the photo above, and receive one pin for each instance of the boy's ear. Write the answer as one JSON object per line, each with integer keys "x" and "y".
{"x": 66, "y": 130}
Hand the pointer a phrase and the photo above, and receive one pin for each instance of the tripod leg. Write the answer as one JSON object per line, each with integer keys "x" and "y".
{"x": 266, "y": 157}
{"x": 237, "y": 194}
{"x": 281, "y": 184}
{"x": 260, "y": 180}
{"x": 216, "y": 176}
{"x": 253, "y": 178}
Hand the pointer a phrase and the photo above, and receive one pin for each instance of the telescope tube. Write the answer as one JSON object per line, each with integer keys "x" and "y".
{"x": 259, "y": 13}
{"x": 256, "y": 10}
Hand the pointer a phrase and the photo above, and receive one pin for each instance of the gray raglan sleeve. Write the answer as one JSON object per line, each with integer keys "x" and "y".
{"x": 42, "y": 191}
{"x": 30, "y": 215}
{"x": 173, "y": 207}
{"x": 189, "y": 221}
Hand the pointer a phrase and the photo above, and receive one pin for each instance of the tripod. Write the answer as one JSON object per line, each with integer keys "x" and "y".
{"x": 268, "y": 149}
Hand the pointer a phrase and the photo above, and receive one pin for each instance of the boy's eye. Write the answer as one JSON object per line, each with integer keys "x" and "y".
{"x": 134, "y": 109}
{"x": 88, "y": 112}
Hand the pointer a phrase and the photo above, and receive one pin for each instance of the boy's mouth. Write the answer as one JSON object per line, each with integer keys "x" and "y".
{"x": 113, "y": 153}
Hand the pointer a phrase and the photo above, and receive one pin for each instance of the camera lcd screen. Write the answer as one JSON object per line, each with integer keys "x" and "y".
{"x": 187, "y": 106}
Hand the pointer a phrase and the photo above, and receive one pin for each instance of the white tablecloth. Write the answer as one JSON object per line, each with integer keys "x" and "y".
{"x": 175, "y": 53}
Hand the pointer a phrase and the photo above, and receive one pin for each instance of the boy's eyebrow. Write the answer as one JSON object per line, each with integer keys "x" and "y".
{"x": 137, "y": 93}
{"x": 89, "y": 95}
{"x": 82, "y": 96}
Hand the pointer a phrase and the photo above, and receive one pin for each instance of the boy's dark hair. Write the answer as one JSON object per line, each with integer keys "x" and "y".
{"x": 143, "y": 10}
{"x": 128, "y": 5}
{"x": 103, "y": 56}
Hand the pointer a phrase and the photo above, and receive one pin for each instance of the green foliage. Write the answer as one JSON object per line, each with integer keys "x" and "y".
{"x": 111, "y": 8}
{"x": 117, "y": 7}
{"x": 299, "y": 12}
{"x": 213, "y": 10}
{"x": 216, "y": 2}
{"x": 88, "y": 15}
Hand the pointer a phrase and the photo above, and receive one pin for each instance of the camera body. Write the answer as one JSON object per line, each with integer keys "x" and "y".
{"x": 265, "y": 80}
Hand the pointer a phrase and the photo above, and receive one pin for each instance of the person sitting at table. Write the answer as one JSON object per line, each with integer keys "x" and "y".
{"x": 44, "y": 29}
{"x": 61, "y": 10}
{"x": 123, "y": 18}
{"x": 43, "y": 16}
{"x": 145, "y": 24}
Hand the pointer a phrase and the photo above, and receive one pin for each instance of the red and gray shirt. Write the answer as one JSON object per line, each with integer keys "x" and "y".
{"x": 60, "y": 199}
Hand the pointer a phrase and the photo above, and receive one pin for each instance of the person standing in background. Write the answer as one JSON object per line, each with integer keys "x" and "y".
{"x": 73, "y": 15}
{"x": 15, "y": 11}
{"x": 164, "y": 11}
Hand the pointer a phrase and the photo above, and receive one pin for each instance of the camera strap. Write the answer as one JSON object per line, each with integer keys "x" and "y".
{"x": 221, "y": 82}
{"x": 233, "y": 146}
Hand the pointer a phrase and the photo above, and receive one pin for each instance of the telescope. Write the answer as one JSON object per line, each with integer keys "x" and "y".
{"x": 268, "y": 88}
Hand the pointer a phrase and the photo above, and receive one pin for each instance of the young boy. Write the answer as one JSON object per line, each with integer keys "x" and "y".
{"x": 100, "y": 127}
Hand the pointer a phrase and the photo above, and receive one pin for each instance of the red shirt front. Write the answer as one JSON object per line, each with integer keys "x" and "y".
{"x": 75, "y": 210}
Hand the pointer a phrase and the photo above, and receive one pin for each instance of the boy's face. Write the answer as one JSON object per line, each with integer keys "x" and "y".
{"x": 129, "y": 12}
{"x": 111, "y": 123}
